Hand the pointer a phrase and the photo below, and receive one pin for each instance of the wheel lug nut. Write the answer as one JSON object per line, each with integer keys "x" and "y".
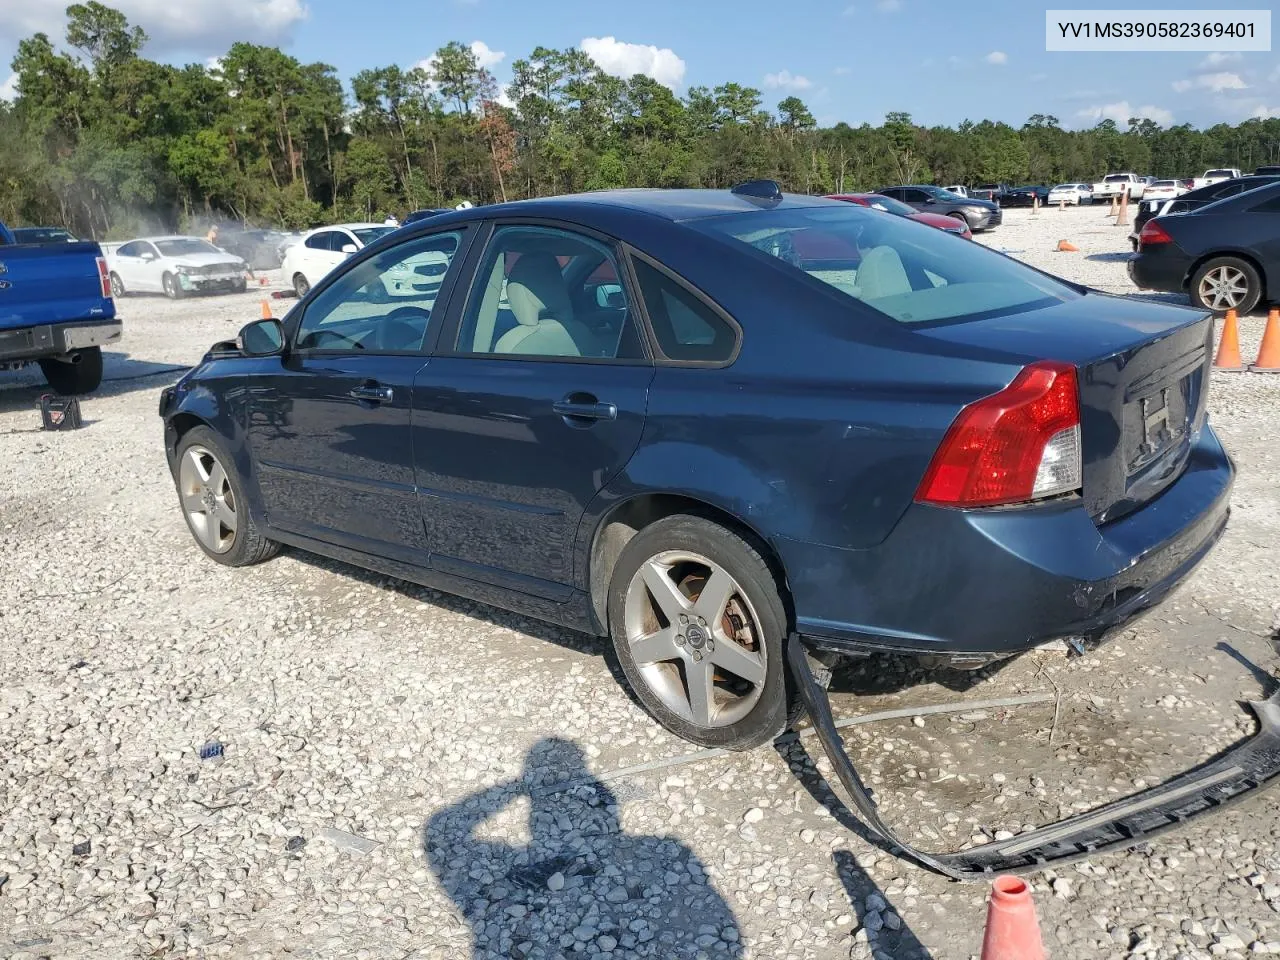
{"x": 697, "y": 655}
{"x": 711, "y": 646}
{"x": 679, "y": 639}
{"x": 684, "y": 618}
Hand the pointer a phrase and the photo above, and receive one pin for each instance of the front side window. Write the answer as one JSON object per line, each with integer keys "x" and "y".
{"x": 910, "y": 275}
{"x": 548, "y": 293}
{"x": 385, "y": 303}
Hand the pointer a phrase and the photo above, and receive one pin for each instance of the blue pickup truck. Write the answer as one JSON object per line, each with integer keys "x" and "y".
{"x": 55, "y": 310}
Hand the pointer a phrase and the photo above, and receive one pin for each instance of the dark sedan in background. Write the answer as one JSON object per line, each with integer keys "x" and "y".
{"x": 1026, "y": 196}
{"x": 978, "y": 214}
{"x": 1195, "y": 199}
{"x": 1225, "y": 255}
{"x": 899, "y": 209}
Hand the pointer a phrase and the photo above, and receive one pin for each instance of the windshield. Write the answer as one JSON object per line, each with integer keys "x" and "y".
{"x": 889, "y": 205}
{"x": 184, "y": 247}
{"x": 911, "y": 273}
{"x": 366, "y": 235}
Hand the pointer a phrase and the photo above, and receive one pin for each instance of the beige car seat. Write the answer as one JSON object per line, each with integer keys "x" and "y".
{"x": 540, "y": 303}
{"x": 881, "y": 274}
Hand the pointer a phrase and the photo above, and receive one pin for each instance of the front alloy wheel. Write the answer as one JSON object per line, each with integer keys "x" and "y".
{"x": 208, "y": 499}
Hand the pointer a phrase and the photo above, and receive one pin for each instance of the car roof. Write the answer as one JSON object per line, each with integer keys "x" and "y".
{"x": 344, "y": 226}
{"x": 167, "y": 236}
{"x": 675, "y": 205}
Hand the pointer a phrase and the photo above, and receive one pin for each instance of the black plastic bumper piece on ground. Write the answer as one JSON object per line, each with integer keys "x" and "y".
{"x": 1249, "y": 765}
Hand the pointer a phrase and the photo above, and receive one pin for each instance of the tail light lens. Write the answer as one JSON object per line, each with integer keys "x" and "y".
{"x": 1020, "y": 444}
{"x": 104, "y": 277}
{"x": 1152, "y": 234}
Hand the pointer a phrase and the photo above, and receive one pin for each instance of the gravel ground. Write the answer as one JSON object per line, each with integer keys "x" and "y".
{"x": 390, "y": 775}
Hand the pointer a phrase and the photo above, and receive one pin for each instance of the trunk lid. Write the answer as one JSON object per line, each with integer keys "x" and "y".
{"x": 1144, "y": 376}
{"x": 50, "y": 283}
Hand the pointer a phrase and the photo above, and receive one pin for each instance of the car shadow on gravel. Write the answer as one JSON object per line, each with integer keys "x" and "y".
{"x": 121, "y": 374}
{"x": 581, "y": 884}
{"x": 1115, "y": 257}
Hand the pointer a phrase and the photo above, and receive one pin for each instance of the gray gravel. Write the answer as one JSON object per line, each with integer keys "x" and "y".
{"x": 377, "y": 794}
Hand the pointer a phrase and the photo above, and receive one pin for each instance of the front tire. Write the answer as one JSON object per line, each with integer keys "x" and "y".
{"x": 81, "y": 374}
{"x": 117, "y": 286}
{"x": 300, "y": 285}
{"x": 1226, "y": 283}
{"x": 172, "y": 288}
{"x": 213, "y": 503}
{"x": 699, "y": 626}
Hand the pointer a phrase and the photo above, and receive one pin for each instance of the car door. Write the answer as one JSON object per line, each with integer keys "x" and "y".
{"x": 535, "y": 399}
{"x": 313, "y": 260}
{"x": 151, "y": 269}
{"x": 329, "y": 431}
{"x": 916, "y": 198}
{"x": 127, "y": 264}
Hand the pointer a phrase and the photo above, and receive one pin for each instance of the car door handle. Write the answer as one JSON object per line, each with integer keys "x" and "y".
{"x": 372, "y": 393}
{"x": 585, "y": 409}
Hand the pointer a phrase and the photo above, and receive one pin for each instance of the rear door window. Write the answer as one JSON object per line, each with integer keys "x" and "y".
{"x": 686, "y": 327}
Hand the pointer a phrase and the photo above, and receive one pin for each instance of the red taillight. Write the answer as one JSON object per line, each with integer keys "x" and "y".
{"x": 104, "y": 277}
{"x": 1020, "y": 444}
{"x": 1152, "y": 233}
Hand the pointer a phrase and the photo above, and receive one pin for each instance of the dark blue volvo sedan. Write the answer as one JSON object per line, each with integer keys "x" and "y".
{"x": 711, "y": 424}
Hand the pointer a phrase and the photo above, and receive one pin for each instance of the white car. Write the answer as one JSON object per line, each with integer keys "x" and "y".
{"x": 175, "y": 266}
{"x": 308, "y": 261}
{"x": 1217, "y": 175}
{"x": 1118, "y": 185}
{"x": 1072, "y": 194}
{"x": 1164, "y": 190}
{"x": 958, "y": 190}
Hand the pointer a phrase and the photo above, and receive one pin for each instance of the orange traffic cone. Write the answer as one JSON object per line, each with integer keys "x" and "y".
{"x": 1269, "y": 352}
{"x": 1066, "y": 246}
{"x": 1115, "y": 205}
{"x": 1062, "y": 206}
{"x": 1012, "y": 932}
{"x": 266, "y": 310}
{"x": 1035, "y": 205}
{"x": 1228, "y": 357}
{"x": 1122, "y": 219}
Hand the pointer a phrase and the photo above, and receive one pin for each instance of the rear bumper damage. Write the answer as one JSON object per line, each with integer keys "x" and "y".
{"x": 1248, "y": 766}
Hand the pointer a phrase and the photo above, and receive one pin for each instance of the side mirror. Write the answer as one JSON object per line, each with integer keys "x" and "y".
{"x": 262, "y": 338}
{"x": 348, "y": 248}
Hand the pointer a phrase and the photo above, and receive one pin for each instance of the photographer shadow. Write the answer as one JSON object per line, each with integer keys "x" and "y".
{"x": 580, "y": 884}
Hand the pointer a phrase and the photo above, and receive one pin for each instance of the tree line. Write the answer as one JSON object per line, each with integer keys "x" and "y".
{"x": 107, "y": 142}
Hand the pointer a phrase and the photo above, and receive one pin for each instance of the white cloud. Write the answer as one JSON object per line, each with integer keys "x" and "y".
{"x": 1217, "y": 59}
{"x": 889, "y": 6}
{"x": 627, "y": 59}
{"x": 485, "y": 57}
{"x": 9, "y": 89}
{"x": 189, "y": 26}
{"x": 786, "y": 80}
{"x": 1266, "y": 113}
{"x": 1120, "y": 112}
{"x": 842, "y": 71}
{"x": 1213, "y": 82}
{"x": 997, "y": 58}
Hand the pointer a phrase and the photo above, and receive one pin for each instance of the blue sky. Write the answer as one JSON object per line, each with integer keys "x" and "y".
{"x": 856, "y": 61}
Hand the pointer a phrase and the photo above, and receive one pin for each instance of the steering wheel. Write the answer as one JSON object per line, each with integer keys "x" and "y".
{"x": 403, "y": 328}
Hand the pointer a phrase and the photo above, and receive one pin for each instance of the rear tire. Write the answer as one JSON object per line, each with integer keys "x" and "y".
{"x": 300, "y": 285}
{"x": 1226, "y": 283}
{"x": 734, "y": 639}
{"x": 82, "y": 374}
{"x": 211, "y": 493}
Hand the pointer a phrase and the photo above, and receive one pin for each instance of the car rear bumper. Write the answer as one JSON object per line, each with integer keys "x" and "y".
{"x": 54, "y": 339}
{"x": 1164, "y": 270}
{"x": 984, "y": 584}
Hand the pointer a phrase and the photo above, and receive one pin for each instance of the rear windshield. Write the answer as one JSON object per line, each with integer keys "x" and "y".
{"x": 1117, "y": 178}
{"x": 907, "y": 271}
{"x": 1164, "y": 183}
{"x": 1220, "y": 173}
{"x": 42, "y": 235}
{"x": 184, "y": 247}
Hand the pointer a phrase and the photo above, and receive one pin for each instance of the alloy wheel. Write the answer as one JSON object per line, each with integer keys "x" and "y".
{"x": 1223, "y": 288}
{"x": 207, "y": 499}
{"x": 695, "y": 638}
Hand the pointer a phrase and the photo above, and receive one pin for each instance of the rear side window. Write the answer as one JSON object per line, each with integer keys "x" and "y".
{"x": 686, "y": 327}
{"x": 322, "y": 241}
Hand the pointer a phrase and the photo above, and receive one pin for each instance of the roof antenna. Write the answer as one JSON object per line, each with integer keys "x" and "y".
{"x": 769, "y": 190}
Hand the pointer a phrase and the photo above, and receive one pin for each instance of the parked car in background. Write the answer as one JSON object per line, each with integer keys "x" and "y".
{"x": 992, "y": 192}
{"x": 1163, "y": 190}
{"x": 1225, "y": 255}
{"x": 1118, "y": 185}
{"x": 1072, "y": 194}
{"x": 1027, "y": 196}
{"x": 950, "y": 224}
{"x": 1216, "y": 175}
{"x": 310, "y": 259}
{"x": 959, "y": 189}
{"x": 977, "y": 214}
{"x": 729, "y": 461}
{"x": 1194, "y": 199}
{"x": 1273, "y": 171}
{"x": 56, "y": 310}
{"x": 42, "y": 235}
{"x": 260, "y": 249}
{"x": 175, "y": 266}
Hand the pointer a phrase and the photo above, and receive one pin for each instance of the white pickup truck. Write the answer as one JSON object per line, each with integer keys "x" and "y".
{"x": 1117, "y": 185}
{"x": 1215, "y": 176}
